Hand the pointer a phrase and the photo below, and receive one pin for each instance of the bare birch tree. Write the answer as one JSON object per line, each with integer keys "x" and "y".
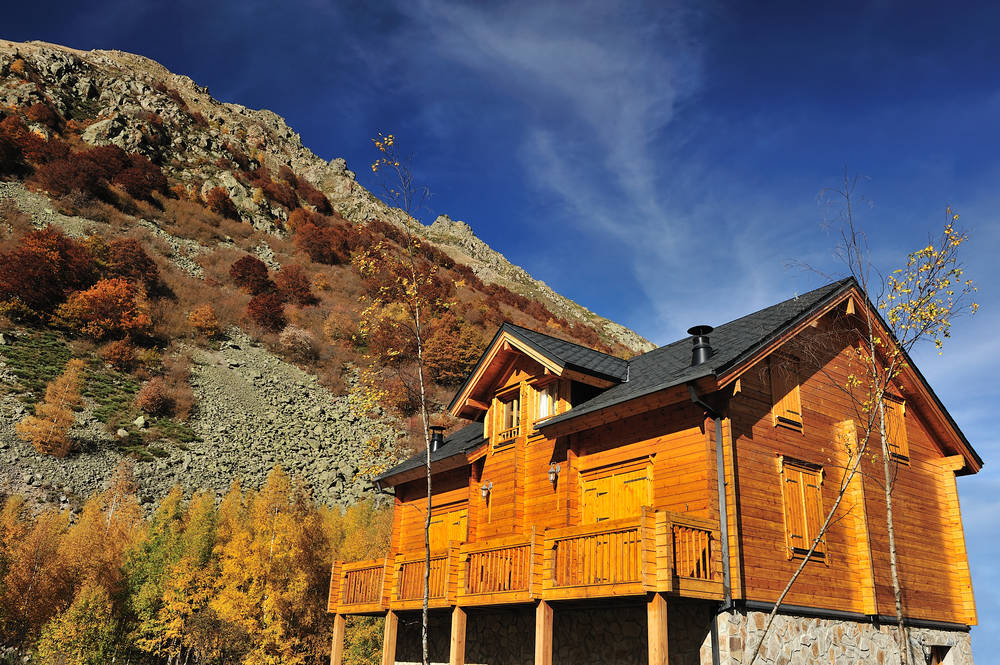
{"x": 916, "y": 303}
{"x": 405, "y": 285}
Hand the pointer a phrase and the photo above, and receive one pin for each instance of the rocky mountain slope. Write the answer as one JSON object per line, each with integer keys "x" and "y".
{"x": 121, "y": 90}
{"x": 255, "y": 400}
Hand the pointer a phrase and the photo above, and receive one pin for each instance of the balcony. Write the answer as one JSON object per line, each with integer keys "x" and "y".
{"x": 656, "y": 551}
{"x": 500, "y": 572}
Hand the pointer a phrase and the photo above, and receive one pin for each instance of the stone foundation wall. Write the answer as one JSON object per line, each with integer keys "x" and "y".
{"x": 617, "y": 636}
{"x": 795, "y": 640}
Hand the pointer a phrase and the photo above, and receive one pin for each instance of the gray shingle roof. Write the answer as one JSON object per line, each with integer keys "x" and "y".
{"x": 459, "y": 442}
{"x": 572, "y": 356}
{"x": 732, "y": 342}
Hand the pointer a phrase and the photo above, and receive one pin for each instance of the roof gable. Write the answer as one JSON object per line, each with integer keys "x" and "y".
{"x": 556, "y": 356}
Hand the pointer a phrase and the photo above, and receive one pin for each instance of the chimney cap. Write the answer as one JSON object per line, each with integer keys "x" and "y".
{"x": 700, "y": 330}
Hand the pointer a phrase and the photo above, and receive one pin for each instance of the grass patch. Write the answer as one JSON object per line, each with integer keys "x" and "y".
{"x": 35, "y": 359}
{"x": 112, "y": 392}
{"x": 175, "y": 431}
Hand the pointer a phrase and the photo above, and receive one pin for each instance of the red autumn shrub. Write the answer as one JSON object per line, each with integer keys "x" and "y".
{"x": 268, "y": 311}
{"x": 322, "y": 245}
{"x": 250, "y": 274}
{"x": 44, "y": 268}
{"x": 314, "y": 197}
{"x": 285, "y": 173}
{"x": 293, "y": 284}
{"x": 33, "y": 147}
{"x": 120, "y": 354}
{"x": 110, "y": 159}
{"x": 42, "y": 114}
{"x": 154, "y": 398}
{"x": 127, "y": 259}
{"x": 280, "y": 193}
{"x": 62, "y": 176}
{"x": 300, "y": 217}
{"x": 88, "y": 171}
{"x": 110, "y": 308}
{"x": 141, "y": 179}
{"x": 218, "y": 201}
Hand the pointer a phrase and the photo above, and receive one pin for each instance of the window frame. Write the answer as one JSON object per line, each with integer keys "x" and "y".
{"x": 797, "y": 508}
{"x": 550, "y": 387}
{"x": 507, "y": 401}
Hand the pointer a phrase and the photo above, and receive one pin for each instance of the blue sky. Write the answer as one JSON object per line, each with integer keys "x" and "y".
{"x": 663, "y": 164}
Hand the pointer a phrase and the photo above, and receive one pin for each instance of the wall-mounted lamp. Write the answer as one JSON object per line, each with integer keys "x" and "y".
{"x": 486, "y": 489}
{"x": 553, "y": 473}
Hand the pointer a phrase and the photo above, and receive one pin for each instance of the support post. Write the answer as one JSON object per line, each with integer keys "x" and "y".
{"x": 656, "y": 627}
{"x": 337, "y": 648}
{"x": 456, "y": 655}
{"x": 389, "y": 638}
{"x": 543, "y": 633}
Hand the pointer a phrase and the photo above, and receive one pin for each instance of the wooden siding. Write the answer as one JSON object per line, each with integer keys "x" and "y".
{"x": 854, "y": 574}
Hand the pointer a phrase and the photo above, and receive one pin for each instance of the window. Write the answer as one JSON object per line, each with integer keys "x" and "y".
{"x": 895, "y": 426}
{"x": 508, "y": 416}
{"x": 787, "y": 410}
{"x": 802, "y": 495}
{"x": 546, "y": 398}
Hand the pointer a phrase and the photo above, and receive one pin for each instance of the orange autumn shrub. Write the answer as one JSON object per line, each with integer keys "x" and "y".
{"x": 205, "y": 321}
{"x": 111, "y": 308}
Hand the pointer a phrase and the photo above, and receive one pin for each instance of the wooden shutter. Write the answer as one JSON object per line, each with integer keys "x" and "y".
{"x": 632, "y": 491}
{"x": 895, "y": 426}
{"x": 611, "y": 494}
{"x": 447, "y": 525}
{"x": 802, "y": 497}
{"x": 812, "y": 499}
{"x": 791, "y": 482}
{"x": 787, "y": 410}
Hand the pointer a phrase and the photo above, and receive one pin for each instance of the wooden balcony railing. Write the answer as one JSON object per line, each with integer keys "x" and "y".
{"x": 610, "y": 558}
{"x": 358, "y": 587}
{"x": 499, "y": 571}
{"x": 656, "y": 551}
{"x": 508, "y": 434}
{"x": 408, "y": 579}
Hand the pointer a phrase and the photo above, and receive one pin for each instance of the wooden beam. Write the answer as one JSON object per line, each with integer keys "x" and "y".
{"x": 337, "y": 648}
{"x": 456, "y": 655}
{"x": 389, "y": 638}
{"x": 951, "y": 463}
{"x": 543, "y": 633}
{"x": 476, "y": 404}
{"x": 656, "y": 627}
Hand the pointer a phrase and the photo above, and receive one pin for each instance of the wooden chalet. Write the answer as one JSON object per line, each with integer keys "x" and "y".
{"x": 686, "y": 481}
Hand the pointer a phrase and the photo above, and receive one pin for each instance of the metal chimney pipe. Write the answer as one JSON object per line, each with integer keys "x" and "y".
{"x": 437, "y": 437}
{"x": 701, "y": 348}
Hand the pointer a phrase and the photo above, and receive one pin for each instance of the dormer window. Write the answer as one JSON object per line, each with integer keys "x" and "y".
{"x": 508, "y": 415}
{"x": 546, "y": 399}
